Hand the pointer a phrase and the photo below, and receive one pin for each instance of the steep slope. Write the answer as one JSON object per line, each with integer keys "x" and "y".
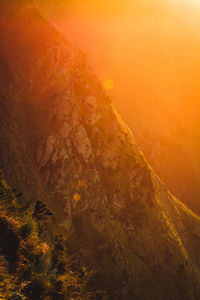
{"x": 63, "y": 142}
{"x": 152, "y": 47}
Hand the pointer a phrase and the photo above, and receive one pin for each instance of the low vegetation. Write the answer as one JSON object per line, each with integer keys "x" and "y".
{"x": 32, "y": 265}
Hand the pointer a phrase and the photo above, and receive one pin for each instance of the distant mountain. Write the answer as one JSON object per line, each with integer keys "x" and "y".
{"x": 63, "y": 143}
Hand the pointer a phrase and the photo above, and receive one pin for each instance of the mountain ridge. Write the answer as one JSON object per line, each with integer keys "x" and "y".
{"x": 153, "y": 60}
{"x": 65, "y": 144}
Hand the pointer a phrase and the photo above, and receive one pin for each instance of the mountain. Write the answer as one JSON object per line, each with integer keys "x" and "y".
{"x": 64, "y": 144}
{"x": 150, "y": 49}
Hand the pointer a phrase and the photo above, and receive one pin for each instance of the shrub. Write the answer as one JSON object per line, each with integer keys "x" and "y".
{"x": 32, "y": 267}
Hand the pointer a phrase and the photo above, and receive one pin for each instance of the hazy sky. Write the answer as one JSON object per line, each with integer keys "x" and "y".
{"x": 149, "y": 48}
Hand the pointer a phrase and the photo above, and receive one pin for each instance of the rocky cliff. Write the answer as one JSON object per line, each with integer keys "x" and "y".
{"x": 152, "y": 55}
{"x": 63, "y": 142}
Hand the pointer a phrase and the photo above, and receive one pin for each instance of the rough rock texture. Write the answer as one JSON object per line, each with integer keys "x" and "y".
{"x": 66, "y": 144}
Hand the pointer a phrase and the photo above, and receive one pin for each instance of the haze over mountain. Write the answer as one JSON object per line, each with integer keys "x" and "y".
{"x": 62, "y": 142}
{"x": 150, "y": 49}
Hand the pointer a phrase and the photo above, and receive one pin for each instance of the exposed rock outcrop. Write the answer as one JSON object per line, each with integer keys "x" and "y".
{"x": 67, "y": 145}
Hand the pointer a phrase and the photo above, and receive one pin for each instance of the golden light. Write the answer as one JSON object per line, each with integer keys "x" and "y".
{"x": 147, "y": 55}
{"x": 108, "y": 84}
{"x": 76, "y": 197}
{"x": 81, "y": 183}
{"x": 186, "y": 3}
{"x": 194, "y": 1}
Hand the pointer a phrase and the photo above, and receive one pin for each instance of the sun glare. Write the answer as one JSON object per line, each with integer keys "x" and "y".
{"x": 186, "y": 3}
{"x": 196, "y": 1}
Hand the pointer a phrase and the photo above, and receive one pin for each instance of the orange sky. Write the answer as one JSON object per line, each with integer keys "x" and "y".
{"x": 143, "y": 46}
{"x": 150, "y": 49}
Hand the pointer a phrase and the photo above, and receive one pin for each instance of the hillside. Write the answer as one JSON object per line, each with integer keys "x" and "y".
{"x": 32, "y": 267}
{"x": 63, "y": 143}
{"x": 150, "y": 49}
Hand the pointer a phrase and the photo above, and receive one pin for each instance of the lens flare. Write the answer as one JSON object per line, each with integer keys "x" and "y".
{"x": 108, "y": 84}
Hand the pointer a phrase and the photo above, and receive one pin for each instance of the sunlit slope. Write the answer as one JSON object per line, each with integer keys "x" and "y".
{"x": 150, "y": 50}
{"x": 62, "y": 140}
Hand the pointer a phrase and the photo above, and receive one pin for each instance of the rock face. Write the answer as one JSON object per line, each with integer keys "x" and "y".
{"x": 66, "y": 145}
